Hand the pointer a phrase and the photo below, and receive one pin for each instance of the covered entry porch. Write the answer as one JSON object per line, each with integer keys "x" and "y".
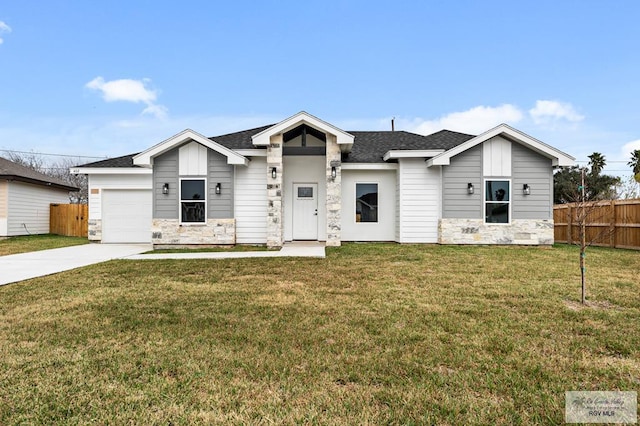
{"x": 304, "y": 179}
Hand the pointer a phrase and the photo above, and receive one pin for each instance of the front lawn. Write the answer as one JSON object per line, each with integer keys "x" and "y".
{"x": 27, "y": 243}
{"x": 374, "y": 333}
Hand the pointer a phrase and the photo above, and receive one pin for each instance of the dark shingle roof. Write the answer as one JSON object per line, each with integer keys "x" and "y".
{"x": 15, "y": 171}
{"x": 124, "y": 161}
{"x": 239, "y": 140}
{"x": 368, "y": 146}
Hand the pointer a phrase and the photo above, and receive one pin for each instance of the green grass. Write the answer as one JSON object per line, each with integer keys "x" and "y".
{"x": 27, "y": 243}
{"x": 374, "y": 333}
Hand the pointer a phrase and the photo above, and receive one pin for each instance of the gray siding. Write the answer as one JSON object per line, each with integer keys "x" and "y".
{"x": 534, "y": 169}
{"x": 464, "y": 168}
{"x": 165, "y": 169}
{"x": 220, "y": 206}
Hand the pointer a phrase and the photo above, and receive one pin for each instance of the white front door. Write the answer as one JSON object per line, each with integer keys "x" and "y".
{"x": 305, "y": 211}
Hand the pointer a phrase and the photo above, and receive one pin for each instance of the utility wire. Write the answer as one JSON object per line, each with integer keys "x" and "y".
{"x": 54, "y": 155}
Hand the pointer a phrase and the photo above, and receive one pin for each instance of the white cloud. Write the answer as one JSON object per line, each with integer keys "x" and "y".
{"x": 475, "y": 120}
{"x": 159, "y": 111}
{"x": 4, "y": 28}
{"x": 128, "y": 90}
{"x": 628, "y": 148}
{"x": 550, "y": 112}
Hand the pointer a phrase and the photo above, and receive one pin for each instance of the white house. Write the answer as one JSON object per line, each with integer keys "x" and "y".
{"x": 25, "y": 197}
{"x": 306, "y": 179}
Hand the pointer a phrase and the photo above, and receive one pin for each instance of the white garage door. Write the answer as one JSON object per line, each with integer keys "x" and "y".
{"x": 126, "y": 216}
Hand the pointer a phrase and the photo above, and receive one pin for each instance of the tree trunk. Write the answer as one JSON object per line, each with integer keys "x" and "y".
{"x": 583, "y": 246}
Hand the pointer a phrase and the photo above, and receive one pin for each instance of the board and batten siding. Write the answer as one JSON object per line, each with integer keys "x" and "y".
{"x": 113, "y": 181}
{"x": 165, "y": 170}
{"x": 219, "y": 206}
{"x": 535, "y": 170}
{"x": 419, "y": 201}
{"x": 463, "y": 169}
{"x": 251, "y": 202}
{"x": 28, "y": 207}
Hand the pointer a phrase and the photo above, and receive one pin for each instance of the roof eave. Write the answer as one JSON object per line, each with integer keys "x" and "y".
{"x": 394, "y": 154}
{"x": 145, "y": 158}
{"x": 110, "y": 171}
{"x": 558, "y": 158}
{"x": 343, "y": 139}
{"x": 39, "y": 182}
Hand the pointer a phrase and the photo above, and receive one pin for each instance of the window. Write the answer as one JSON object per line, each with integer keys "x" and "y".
{"x": 496, "y": 205}
{"x": 366, "y": 202}
{"x": 305, "y": 192}
{"x": 192, "y": 201}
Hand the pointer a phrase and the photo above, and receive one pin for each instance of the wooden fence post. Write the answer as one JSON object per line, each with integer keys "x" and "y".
{"x": 612, "y": 225}
{"x": 569, "y": 224}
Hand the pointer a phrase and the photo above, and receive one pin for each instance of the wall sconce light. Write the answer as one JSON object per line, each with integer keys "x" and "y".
{"x": 470, "y": 188}
{"x": 218, "y": 188}
{"x": 334, "y": 173}
{"x": 165, "y": 189}
{"x": 273, "y": 172}
{"x": 526, "y": 190}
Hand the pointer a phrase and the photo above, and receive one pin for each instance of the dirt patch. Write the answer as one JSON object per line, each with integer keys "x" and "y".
{"x": 593, "y": 304}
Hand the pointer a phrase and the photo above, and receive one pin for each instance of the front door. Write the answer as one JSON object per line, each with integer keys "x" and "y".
{"x": 305, "y": 211}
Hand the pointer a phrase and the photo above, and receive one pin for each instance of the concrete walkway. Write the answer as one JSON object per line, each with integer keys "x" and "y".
{"x": 24, "y": 266}
{"x": 19, "y": 267}
{"x": 294, "y": 249}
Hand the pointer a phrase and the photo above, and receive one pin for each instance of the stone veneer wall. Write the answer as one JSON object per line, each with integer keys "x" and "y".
{"x": 95, "y": 230}
{"x": 475, "y": 231}
{"x": 334, "y": 193}
{"x": 275, "y": 228}
{"x": 214, "y": 232}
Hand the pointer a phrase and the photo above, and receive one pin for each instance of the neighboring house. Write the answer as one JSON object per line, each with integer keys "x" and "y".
{"x": 305, "y": 179}
{"x": 25, "y": 196}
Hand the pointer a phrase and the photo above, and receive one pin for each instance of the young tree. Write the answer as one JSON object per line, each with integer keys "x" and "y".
{"x": 635, "y": 164}
{"x": 586, "y": 189}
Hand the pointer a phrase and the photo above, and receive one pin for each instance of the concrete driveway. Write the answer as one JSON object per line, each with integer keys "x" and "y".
{"x": 18, "y": 267}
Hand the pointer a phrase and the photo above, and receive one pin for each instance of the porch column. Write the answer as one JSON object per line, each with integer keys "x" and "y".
{"x": 274, "y": 193}
{"x": 334, "y": 192}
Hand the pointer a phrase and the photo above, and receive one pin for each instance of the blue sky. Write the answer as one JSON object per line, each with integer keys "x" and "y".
{"x": 112, "y": 78}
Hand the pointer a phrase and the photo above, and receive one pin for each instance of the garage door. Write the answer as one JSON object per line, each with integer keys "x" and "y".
{"x": 126, "y": 216}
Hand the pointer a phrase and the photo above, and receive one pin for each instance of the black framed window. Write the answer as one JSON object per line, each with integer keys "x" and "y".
{"x": 193, "y": 200}
{"x": 366, "y": 202}
{"x": 496, "y": 201}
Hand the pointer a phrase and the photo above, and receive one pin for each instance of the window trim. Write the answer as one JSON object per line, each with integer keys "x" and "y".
{"x": 484, "y": 200}
{"x": 180, "y": 200}
{"x": 355, "y": 204}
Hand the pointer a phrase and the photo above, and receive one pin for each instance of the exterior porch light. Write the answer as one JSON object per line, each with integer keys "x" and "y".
{"x": 218, "y": 188}
{"x": 274, "y": 172}
{"x": 165, "y": 188}
{"x": 334, "y": 173}
{"x": 470, "y": 188}
{"x": 526, "y": 190}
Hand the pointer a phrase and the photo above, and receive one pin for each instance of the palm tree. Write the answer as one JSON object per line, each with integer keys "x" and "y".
{"x": 597, "y": 163}
{"x": 635, "y": 164}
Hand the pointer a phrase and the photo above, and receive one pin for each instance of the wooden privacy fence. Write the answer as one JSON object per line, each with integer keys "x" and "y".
{"x": 69, "y": 219}
{"x": 613, "y": 223}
